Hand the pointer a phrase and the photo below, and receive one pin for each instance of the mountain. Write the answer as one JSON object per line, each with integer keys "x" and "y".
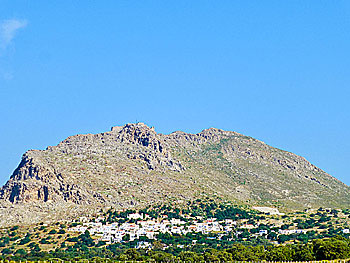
{"x": 133, "y": 166}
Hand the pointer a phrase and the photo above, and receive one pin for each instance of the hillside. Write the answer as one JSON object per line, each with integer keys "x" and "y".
{"x": 133, "y": 166}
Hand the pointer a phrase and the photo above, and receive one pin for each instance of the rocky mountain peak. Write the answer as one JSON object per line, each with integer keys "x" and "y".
{"x": 139, "y": 133}
{"x": 213, "y": 134}
{"x": 140, "y": 126}
{"x": 132, "y": 165}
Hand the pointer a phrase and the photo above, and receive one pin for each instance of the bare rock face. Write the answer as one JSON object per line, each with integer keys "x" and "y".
{"x": 156, "y": 154}
{"x": 29, "y": 182}
{"x": 37, "y": 181}
{"x": 139, "y": 134}
{"x": 133, "y": 166}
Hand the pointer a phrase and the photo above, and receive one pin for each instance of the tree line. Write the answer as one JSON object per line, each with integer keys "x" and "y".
{"x": 320, "y": 249}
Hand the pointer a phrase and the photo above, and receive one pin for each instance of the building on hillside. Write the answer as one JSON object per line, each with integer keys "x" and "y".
{"x": 135, "y": 216}
{"x": 346, "y": 231}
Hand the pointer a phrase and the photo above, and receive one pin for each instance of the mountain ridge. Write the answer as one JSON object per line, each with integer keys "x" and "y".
{"x": 132, "y": 166}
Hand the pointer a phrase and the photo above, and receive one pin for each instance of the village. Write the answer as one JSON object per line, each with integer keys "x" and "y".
{"x": 140, "y": 225}
{"x": 150, "y": 227}
{"x": 201, "y": 226}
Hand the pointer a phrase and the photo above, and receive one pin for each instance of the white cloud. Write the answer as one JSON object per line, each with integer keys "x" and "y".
{"x": 8, "y": 30}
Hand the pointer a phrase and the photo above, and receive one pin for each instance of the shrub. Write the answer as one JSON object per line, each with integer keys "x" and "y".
{"x": 52, "y": 232}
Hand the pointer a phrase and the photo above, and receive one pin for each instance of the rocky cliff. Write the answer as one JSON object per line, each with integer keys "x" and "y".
{"x": 132, "y": 166}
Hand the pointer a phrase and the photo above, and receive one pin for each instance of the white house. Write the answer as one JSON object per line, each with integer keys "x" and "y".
{"x": 135, "y": 216}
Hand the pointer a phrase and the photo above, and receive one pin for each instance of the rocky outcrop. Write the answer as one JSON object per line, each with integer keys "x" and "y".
{"x": 37, "y": 181}
{"x": 157, "y": 155}
{"x": 29, "y": 182}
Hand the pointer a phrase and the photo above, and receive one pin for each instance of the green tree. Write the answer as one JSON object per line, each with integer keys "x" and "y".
{"x": 163, "y": 257}
{"x": 52, "y": 232}
{"x": 280, "y": 253}
{"x": 211, "y": 257}
{"x": 6, "y": 251}
{"x": 224, "y": 256}
{"x": 132, "y": 254}
{"x": 25, "y": 240}
{"x": 304, "y": 253}
{"x": 189, "y": 256}
{"x": 331, "y": 249}
{"x": 21, "y": 252}
{"x": 126, "y": 238}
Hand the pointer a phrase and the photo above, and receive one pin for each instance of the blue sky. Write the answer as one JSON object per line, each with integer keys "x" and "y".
{"x": 278, "y": 71}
